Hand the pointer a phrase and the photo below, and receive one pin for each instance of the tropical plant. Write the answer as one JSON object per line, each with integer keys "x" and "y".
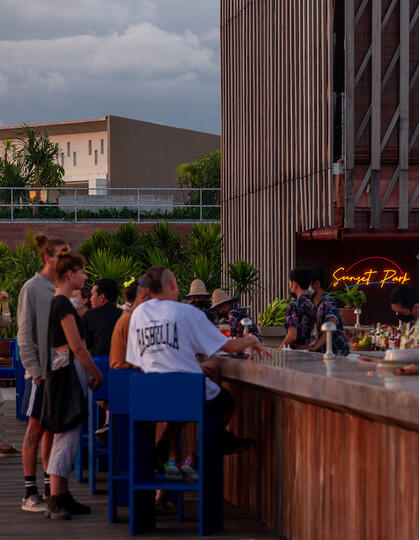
{"x": 202, "y": 173}
{"x": 40, "y": 157}
{"x": 17, "y": 266}
{"x": 99, "y": 240}
{"x": 167, "y": 240}
{"x": 205, "y": 269}
{"x": 244, "y": 277}
{"x": 352, "y": 297}
{"x": 275, "y": 312}
{"x": 105, "y": 264}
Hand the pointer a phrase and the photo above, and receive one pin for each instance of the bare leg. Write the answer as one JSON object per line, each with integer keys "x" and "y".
{"x": 33, "y": 434}
{"x": 211, "y": 370}
{"x": 59, "y": 485}
{"x": 47, "y": 440}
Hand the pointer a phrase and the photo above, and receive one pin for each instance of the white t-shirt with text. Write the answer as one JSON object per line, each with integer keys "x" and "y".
{"x": 165, "y": 336}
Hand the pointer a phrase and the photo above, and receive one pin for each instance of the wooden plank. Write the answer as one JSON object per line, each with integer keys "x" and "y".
{"x": 404, "y": 112}
{"x": 349, "y": 114}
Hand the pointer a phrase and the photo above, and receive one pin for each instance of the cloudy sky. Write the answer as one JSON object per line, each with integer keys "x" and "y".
{"x": 153, "y": 60}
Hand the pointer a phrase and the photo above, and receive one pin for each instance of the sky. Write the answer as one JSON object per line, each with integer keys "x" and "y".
{"x": 152, "y": 60}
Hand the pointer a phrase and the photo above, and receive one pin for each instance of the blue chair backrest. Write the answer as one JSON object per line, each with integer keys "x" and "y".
{"x": 102, "y": 363}
{"x": 119, "y": 390}
{"x": 169, "y": 397}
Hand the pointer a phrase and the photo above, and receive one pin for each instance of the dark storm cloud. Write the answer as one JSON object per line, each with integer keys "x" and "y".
{"x": 152, "y": 60}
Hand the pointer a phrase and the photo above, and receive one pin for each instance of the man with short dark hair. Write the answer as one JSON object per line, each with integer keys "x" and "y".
{"x": 326, "y": 311}
{"x": 100, "y": 321}
{"x": 300, "y": 316}
{"x": 405, "y": 303}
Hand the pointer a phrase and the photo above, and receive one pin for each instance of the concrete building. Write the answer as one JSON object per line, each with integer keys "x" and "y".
{"x": 121, "y": 152}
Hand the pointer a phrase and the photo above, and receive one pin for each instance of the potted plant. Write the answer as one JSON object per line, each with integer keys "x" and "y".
{"x": 271, "y": 322}
{"x": 352, "y": 298}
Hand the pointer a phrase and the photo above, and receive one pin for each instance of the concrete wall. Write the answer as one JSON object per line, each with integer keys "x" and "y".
{"x": 147, "y": 155}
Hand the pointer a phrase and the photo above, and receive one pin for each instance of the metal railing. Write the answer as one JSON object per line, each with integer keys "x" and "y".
{"x": 103, "y": 204}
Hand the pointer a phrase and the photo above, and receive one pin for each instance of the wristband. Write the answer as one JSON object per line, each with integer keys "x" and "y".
{"x": 6, "y": 314}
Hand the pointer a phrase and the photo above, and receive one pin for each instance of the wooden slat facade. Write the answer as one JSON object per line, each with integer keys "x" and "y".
{"x": 279, "y": 123}
{"x": 318, "y": 473}
{"x": 276, "y": 131}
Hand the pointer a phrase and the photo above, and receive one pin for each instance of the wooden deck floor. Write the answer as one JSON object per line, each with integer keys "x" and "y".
{"x": 14, "y": 523}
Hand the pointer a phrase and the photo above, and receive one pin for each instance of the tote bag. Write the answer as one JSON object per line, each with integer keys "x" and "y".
{"x": 64, "y": 404}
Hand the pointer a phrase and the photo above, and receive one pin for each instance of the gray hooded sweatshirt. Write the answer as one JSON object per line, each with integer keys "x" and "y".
{"x": 32, "y": 318}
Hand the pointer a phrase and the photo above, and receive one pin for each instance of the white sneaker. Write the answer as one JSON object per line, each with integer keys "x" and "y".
{"x": 34, "y": 503}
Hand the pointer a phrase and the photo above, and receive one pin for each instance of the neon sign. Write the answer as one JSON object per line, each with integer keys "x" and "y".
{"x": 389, "y": 274}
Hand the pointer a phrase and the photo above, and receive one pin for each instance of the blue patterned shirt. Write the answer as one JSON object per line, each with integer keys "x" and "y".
{"x": 301, "y": 314}
{"x": 327, "y": 309}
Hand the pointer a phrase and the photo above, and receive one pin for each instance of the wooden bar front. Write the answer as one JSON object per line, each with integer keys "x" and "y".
{"x": 320, "y": 471}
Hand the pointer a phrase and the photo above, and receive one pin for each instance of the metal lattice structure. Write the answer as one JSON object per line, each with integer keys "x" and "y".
{"x": 381, "y": 108}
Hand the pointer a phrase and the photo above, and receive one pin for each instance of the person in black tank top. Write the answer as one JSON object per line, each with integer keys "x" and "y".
{"x": 66, "y": 339}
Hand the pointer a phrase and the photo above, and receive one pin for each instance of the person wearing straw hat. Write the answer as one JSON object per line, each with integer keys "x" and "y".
{"x": 200, "y": 298}
{"x": 226, "y": 307}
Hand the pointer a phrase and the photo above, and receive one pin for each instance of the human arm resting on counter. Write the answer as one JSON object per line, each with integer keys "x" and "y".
{"x": 323, "y": 337}
{"x": 291, "y": 337}
{"x": 240, "y": 344}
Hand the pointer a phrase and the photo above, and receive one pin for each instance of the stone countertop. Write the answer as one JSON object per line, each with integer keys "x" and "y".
{"x": 342, "y": 384}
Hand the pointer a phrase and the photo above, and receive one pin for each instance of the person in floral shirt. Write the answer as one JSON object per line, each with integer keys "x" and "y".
{"x": 326, "y": 311}
{"x": 226, "y": 307}
{"x": 300, "y": 317}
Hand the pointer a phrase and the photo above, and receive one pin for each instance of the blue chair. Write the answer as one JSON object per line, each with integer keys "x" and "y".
{"x": 118, "y": 439}
{"x": 96, "y": 449}
{"x": 7, "y": 372}
{"x": 173, "y": 397}
{"x": 20, "y": 383}
{"x": 81, "y": 459}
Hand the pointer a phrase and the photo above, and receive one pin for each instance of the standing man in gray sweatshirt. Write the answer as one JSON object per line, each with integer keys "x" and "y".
{"x": 32, "y": 317}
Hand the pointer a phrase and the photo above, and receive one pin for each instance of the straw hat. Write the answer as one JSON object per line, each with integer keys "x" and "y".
{"x": 198, "y": 288}
{"x": 219, "y": 297}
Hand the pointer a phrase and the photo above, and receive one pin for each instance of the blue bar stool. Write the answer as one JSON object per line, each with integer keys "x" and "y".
{"x": 96, "y": 449}
{"x": 81, "y": 459}
{"x": 173, "y": 397}
{"x": 118, "y": 439}
{"x": 20, "y": 384}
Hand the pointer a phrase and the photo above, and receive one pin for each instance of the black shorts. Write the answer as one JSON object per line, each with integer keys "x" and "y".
{"x": 32, "y": 399}
{"x": 222, "y": 403}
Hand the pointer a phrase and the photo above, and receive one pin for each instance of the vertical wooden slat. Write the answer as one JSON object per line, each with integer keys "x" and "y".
{"x": 404, "y": 112}
{"x": 349, "y": 114}
{"x": 376, "y": 115}
{"x": 276, "y": 135}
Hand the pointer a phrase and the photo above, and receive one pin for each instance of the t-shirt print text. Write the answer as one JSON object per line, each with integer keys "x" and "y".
{"x": 164, "y": 333}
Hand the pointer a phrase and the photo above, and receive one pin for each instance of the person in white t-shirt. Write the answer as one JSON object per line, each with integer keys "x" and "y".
{"x": 165, "y": 336}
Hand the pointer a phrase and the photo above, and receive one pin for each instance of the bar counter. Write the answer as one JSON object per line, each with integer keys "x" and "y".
{"x": 336, "y": 453}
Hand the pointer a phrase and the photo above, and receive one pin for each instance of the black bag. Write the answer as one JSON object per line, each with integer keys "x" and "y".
{"x": 64, "y": 405}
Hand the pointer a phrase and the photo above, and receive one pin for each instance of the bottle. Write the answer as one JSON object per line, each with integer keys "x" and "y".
{"x": 391, "y": 343}
{"x": 378, "y": 337}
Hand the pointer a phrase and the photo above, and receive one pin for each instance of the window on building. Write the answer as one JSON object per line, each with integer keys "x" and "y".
{"x": 68, "y": 149}
{"x": 96, "y": 157}
{"x": 74, "y": 159}
{"x": 62, "y": 159}
{"x": 102, "y": 146}
{"x": 90, "y": 147}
